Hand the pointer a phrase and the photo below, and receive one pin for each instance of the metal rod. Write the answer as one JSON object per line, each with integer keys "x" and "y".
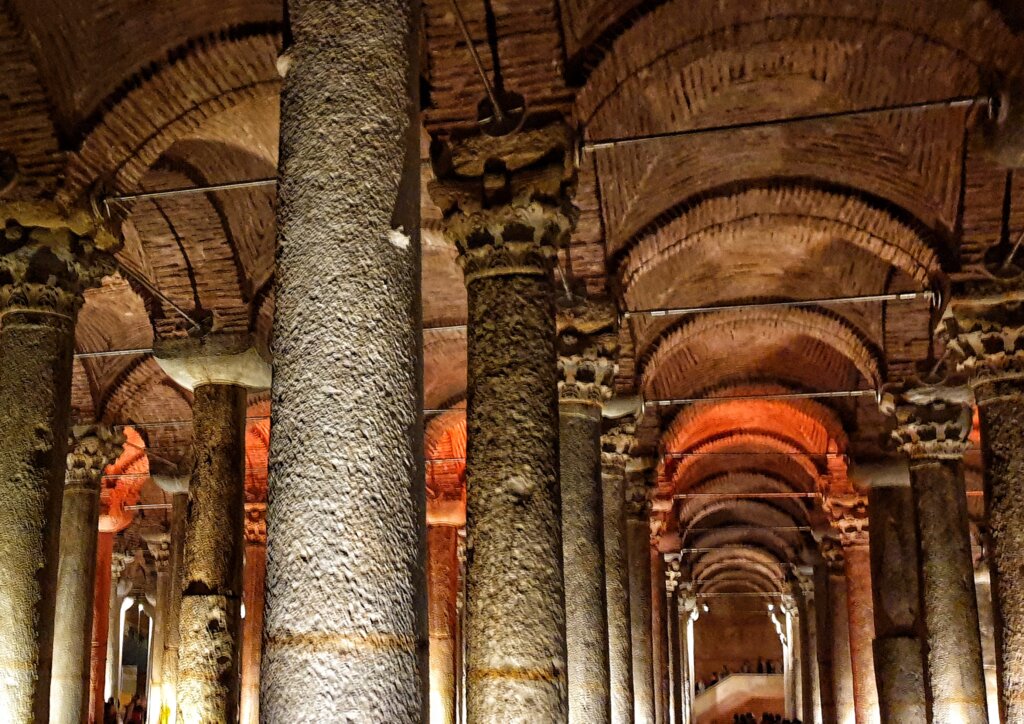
{"x": 954, "y": 102}
{"x": 153, "y": 290}
{"x": 736, "y": 528}
{"x": 227, "y": 186}
{"x": 113, "y": 353}
{"x": 863, "y": 298}
{"x": 149, "y": 506}
{"x": 730, "y": 496}
{"x": 681, "y": 455}
{"x": 435, "y": 461}
{"x": 175, "y": 423}
{"x": 445, "y": 327}
{"x": 780, "y": 396}
{"x": 737, "y": 594}
{"x": 1013, "y": 253}
{"x": 499, "y": 114}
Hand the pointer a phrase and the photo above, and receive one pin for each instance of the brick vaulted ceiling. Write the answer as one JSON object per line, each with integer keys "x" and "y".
{"x": 130, "y": 94}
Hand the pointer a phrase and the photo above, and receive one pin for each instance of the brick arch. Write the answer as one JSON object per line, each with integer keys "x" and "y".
{"x": 764, "y": 560}
{"x": 744, "y": 567}
{"x": 444, "y": 367}
{"x": 257, "y": 451}
{"x": 445, "y": 448}
{"x": 122, "y": 483}
{"x": 745, "y": 485}
{"x": 781, "y": 545}
{"x": 800, "y": 348}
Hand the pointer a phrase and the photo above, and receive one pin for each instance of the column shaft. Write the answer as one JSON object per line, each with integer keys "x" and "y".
{"x": 172, "y": 637}
{"x": 955, "y": 667}
{"x": 515, "y": 597}
{"x": 675, "y": 667}
{"x": 638, "y": 535}
{"x": 583, "y": 562}
{"x": 76, "y": 580}
{"x": 154, "y": 703}
{"x": 100, "y": 623}
{"x": 442, "y": 586}
{"x": 862, "y": 632}
{"x": 346, "y": 508}
{"x": 620, "y": 646}
{"x": 898, "y": 653}
{"x": 211, "y": 585}
{"x": 254, "y": 577}
{"x": 660, "y": 638}
{"x": 826, "y": 641}
{"x": 35, "y": 390}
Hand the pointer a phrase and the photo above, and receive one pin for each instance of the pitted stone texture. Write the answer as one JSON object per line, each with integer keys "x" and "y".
{"x": 932, "y": 421}
{"x": 616, "y": 445}
{"x": 638, "y": 541}
{"x": 899, "y": 674}
{"x": 516, "y": 615}
{"x": 587, "y": 348}
{"x": 955, "y": 667}
{"x": 211, "y": 583}
{"x": 579, "y": 437}
{"x": 172, "y": 635}
{"x": 90, "y": 450}
{"x": 35, "y": 391}
{"x": 207, "y": 657}
{"x": 987, "y": 337}
{"x": 345, "y": 551}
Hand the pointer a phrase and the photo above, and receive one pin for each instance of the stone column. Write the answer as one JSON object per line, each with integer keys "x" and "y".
{"x": 345, "y": 516}
{"x": 254, "y": 575}
{"x": 842, "y": 654}
{"x": 807, "y": 605}
{"x": 219, "y": 370}
{"x": 933, "y": 424}
{"x": 159, "y": 548}
{"x": 673, "y": 576}
{"x": 586, "y": 352}
{"x": 826, "y": 639}
{"x": 986, "y": 334}
{"x": 638, "y": 542}
{"x": 505, "y": 201}
{"x": 172, "y": 638}
{"x": 790, "y": 657}
{"x": 983, "y": 587}
{"x": 898, "y": 651}
{"x": 90, "y": 450}
{"x": 616, "y": 445}
{"x": 442, "y": 585}
{"x": 47, "y": 262}
{"x": 100, "y": 623}
{"x": 659, "y": 640}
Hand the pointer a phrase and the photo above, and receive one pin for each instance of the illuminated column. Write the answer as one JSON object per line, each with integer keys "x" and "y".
{"x": 790, "y": 656}
{"x": 118, "y": 590}
{"x": 986, "y": 334}
{"x": 826, "y": 640}
{"x": 806, "y": 606}
{"x": 442, "y": 584}
{"x": 178, "y": 489}
{"x": 345, "y": 515}
{"x": 90, "y": 450}
{"x": 48, "y": 260}
{"x": 587, "y": 344}
{"x": 638, "y": 542}
{"x": 673, "y": 576}
{"x": 933, "y": 424}
{"x": 159, "y": 548}
{"x": 219, "y": 370}
{"x": 506, "y": 206}
{"x": 898, "y": 652}
{"x": 616, "y": 446}
{"x": 983, "y": 587}
{"x": 254, "y": 575}
{"x": 659, "y": 640}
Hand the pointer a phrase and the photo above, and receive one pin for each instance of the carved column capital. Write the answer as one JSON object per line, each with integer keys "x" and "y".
{"x": 505, "y": 199}
{"x": 587, "y": 349}
{"x": 227, "y": 359}
{"x": 848, "y": 513}
{"x": 48, "y": 259}
{"x": 618, "y": 443}
{"x": 91, "y": 448}
{"x": 673, "y": 575}
{"x": 832, "y": 551}
{"x": 986, "y": 336}
{"x": 159, "y": 544}
{"x": 932, "y": 421}
{"x": 256, "y": 524}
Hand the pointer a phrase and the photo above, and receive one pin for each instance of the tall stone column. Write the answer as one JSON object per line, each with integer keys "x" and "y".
{"x": 844, "y": 689}
{"x": 673, "y": 580}
{"x": 105, "y": 626}
{"x": 587, "y": 345}
{"x": 160, "y": 548}
{"x": 791, "y": 657}
{"x": 638, "y": 542}
{"x": 506, "y": 204}
{"x": 616, "y": 445}
{"x": 119, "y": 589}
{"x": 807, "y": 600}
{"x": 46, "y": 263}
{"x": 254, "y": 576}
{"x": 442, "y": 585}
{"x": 177, "y": 488}
{"x": 826, "y": 639}
{"x": 90, "y": 450}
{"x": 100, "y": 622}
{"x": 219, "y": 370}
{"x": 983, "y": 587}
{"x": 986, "y": 334}
{"x": 898, "y": 651}
{"x": 932, "y": 426}
{"x": 345, "y": 515}
{"x": 659, "y": 639}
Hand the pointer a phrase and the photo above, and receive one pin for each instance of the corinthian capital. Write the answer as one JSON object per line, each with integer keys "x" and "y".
{"x": 932, "y": 421}
{"x": 256, "y": 524}
{"x": 618, "y": 443}
{"x": 506, "y": 199}
{"x": 587, "y": 350}
{"x": 848, "y": 513}
{"x": 91, "y": 448}
{"x": 986, "y": 336}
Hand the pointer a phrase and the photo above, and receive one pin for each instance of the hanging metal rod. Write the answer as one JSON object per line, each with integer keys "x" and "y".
{"x": 755, "y": 528}
{"x": 682, "y": 455}
{"x": 954, "y": 102}
{"x": 437, "y": 461}
{"x": 156, "y": 292}
{"x": 113, "y": 353}
{"x": 857, "y": 299}
{"x": 730, "y": 496}
{"x": 779, "y": 396}
{"x": 499, "y": 114}
{"x": 174, "y": 423}
{"x": 444, "y": 328}
{"x": 737, "y": 594}
{"x": 185, "y": 190}
{"x": 148, "y": 506}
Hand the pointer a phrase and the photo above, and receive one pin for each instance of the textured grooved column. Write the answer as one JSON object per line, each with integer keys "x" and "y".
{"x": 616, "y": 446}
{"x": 932, "y": 427}
{"x": 987, "y": 334}
{"x": 159, "y": 548}
{"x": 506, "y": 206}
{"x": 254, "y": 575}
{"x": 842, "y": 658}
{"x": 442, "y": 583}
{"x": 638, "y": 542}
{"x": 983, "y": 587}
{"x": 46, "y": 263}
{"x": 90, "y": 450}
{"x": 172, "y": 637}
{"x": 898, "y": 651}
{"x": 673, "y": 576}
{"x": 219, "y": 369}
{"x": 346, "y": 551}
{"x": 587, "y": 345}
